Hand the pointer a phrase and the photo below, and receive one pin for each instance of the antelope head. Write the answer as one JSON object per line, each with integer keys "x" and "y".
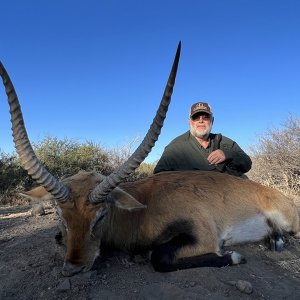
{"x": 83, "y": 200}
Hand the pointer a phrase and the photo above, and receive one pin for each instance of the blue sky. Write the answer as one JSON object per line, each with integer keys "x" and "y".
{"x": 96, "y": 70}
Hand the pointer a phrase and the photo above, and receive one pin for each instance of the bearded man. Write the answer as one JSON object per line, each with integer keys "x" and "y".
{"x": 199, "y": 149}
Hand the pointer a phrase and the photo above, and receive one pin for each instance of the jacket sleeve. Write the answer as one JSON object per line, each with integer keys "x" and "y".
{"x": 236, "y": 158}
{"x": 166, "y": 162}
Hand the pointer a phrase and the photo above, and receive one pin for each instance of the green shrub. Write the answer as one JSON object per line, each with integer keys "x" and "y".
{"x": 66, "y": 157}
{"x": 13, "y": 178}
{"x": 62, "y": 158}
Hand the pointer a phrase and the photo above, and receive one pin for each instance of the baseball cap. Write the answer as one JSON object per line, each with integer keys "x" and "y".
{"x": 200, "y": 107}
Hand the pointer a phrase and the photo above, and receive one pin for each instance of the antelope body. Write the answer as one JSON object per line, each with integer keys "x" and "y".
{"x": 184, "y": 218}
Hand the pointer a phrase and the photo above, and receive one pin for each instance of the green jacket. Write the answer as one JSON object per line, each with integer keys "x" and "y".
{"x": 185, "y": 153}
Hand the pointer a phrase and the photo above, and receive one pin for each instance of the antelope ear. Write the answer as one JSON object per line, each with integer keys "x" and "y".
{"x": 37, "y": 194}
{"x": 123, "y": 200}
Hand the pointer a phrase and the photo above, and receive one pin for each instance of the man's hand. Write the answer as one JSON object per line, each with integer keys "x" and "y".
{"x": 216, "y": 157}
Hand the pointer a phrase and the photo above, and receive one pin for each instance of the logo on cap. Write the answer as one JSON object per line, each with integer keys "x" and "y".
{"x": 200, "y": 107}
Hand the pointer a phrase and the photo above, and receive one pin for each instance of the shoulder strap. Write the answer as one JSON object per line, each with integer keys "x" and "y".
{"x": 216, "y": 141}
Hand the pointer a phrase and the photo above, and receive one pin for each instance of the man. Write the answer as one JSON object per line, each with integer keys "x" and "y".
{"x": 199, "y": 149}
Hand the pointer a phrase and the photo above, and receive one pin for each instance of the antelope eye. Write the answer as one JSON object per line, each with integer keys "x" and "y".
{"x": 99, "y": 218}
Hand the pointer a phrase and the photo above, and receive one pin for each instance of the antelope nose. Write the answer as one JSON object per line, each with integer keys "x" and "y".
{"x": 70, "y": 269}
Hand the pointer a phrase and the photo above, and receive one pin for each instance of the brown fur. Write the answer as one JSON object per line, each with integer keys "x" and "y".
{"x": 211, "y": 200}
{"x": 210, "y": 203}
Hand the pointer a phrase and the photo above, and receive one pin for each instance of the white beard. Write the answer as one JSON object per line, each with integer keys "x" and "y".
{"x": 201, "y": 134}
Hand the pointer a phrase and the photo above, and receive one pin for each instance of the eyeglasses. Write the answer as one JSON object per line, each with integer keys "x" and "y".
{"x": 205, "y": 117}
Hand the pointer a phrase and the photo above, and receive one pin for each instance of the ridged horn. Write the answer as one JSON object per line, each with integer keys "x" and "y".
{"x": 101, "y": 191}
{"x": 24, "y": 149}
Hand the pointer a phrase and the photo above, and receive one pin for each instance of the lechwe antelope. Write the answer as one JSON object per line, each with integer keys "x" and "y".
{"x": 185, "y": 218}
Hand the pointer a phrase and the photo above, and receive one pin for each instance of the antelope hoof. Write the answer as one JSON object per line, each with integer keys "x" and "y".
{"x": 237, "y": 258}
{"x": 277, "y": 244}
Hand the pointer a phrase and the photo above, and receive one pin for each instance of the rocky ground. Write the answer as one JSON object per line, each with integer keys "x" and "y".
{"x": 31, "y": 262}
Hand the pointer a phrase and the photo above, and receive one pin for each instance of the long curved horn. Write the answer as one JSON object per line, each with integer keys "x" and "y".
{"x": 110, "y": 182}
{"x": 24, "y": 149}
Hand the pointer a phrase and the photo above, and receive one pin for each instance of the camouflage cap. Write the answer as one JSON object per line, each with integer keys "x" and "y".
{"x": 200, "y": 107}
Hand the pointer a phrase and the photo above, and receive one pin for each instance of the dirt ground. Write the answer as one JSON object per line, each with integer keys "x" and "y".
{"x": 31, "y": 264}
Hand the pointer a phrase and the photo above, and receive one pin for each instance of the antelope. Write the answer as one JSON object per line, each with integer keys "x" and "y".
{"x": 185, "y": 219}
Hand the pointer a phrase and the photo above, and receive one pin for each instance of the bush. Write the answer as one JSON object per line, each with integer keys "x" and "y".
{"x": 63, "y": 158}
{"x": 66, "y": 157}
{"x": 146, "y": 168}
{"x": 13, "y": 178}
{"x": 143, "y": 171}
{"x": 276, "y": 158}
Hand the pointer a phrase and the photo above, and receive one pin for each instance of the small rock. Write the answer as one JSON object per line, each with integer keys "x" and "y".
{"x": 64, "y": 285}
{"x": 244, "y": 286}
{"x": 140, "y": 259}
{"x": 88, "y": 275}
{"x": 232, "y": 282}
{"x": 38, "y": 210}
